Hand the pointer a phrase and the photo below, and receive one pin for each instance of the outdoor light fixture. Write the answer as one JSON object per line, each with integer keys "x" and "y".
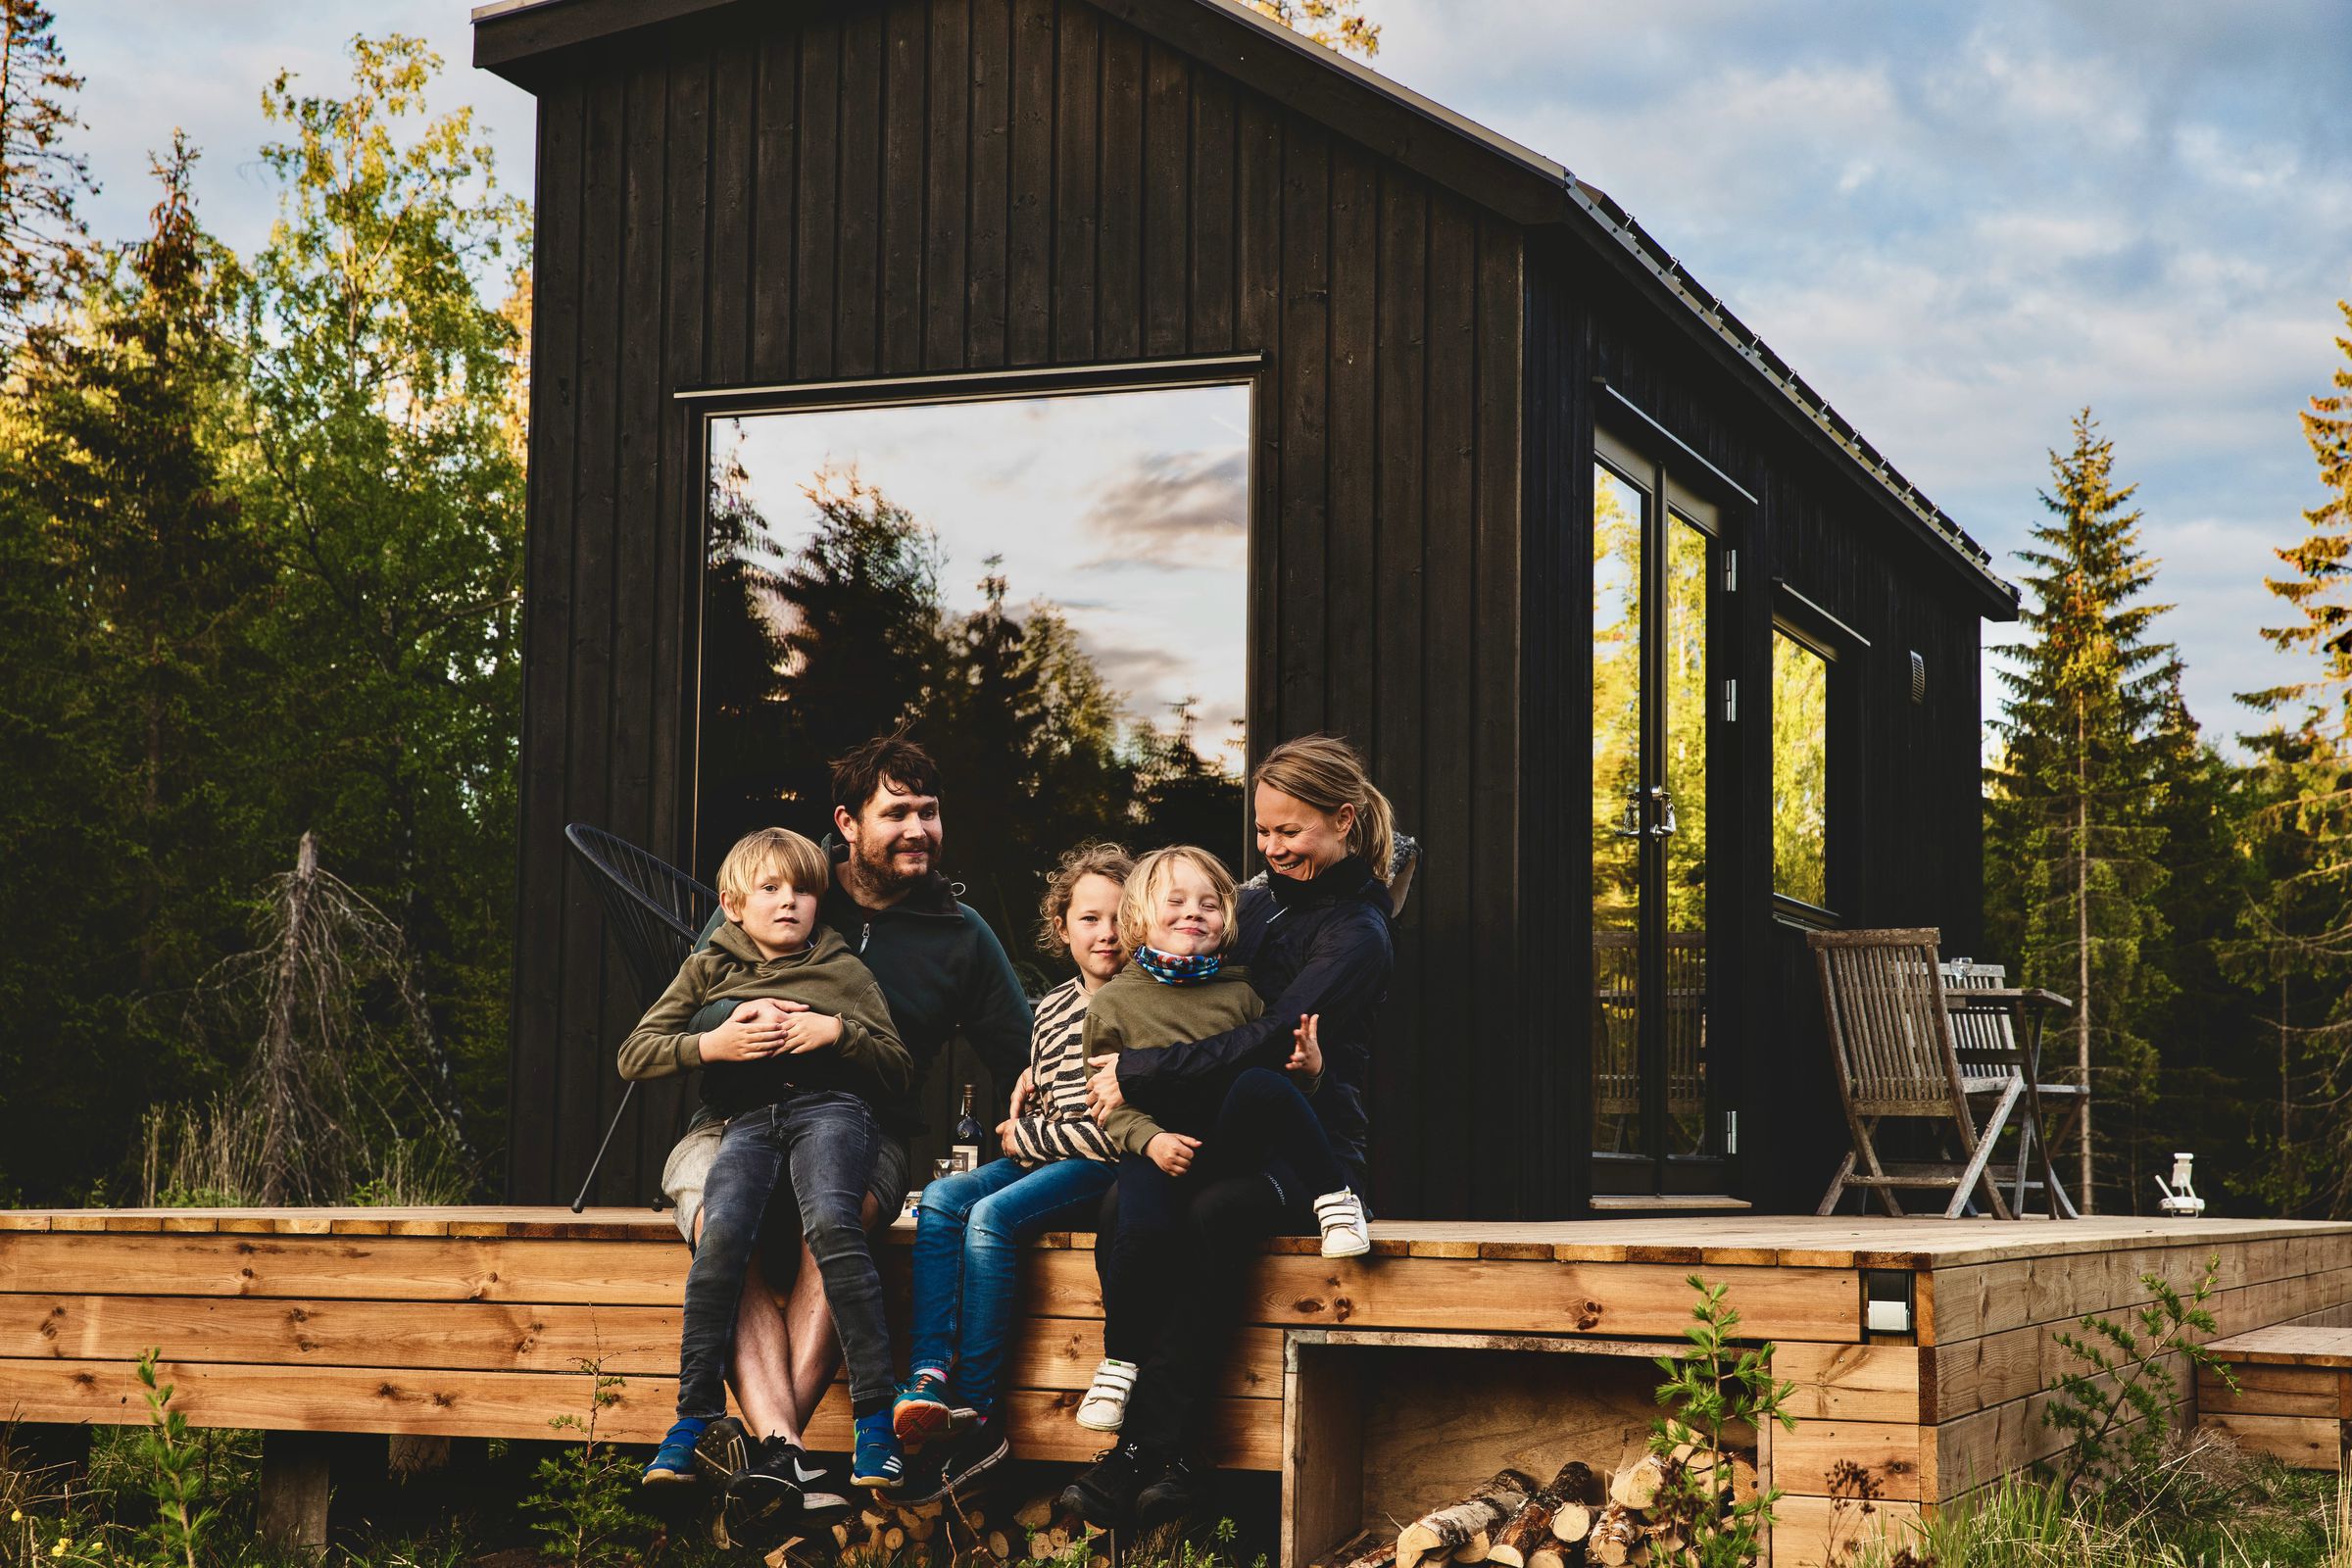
{"x": 1886, "y": 1302}
{"x": 2181, "y": 1197}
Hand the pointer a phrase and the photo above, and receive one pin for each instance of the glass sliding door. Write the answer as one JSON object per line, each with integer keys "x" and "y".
{"x": 1657, "y": 574}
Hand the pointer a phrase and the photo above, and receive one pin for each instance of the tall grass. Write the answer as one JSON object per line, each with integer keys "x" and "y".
{"x": 2024, "y": 1524}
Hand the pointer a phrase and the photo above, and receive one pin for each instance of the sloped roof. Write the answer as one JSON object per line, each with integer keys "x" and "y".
{"x": 516, "y": 38}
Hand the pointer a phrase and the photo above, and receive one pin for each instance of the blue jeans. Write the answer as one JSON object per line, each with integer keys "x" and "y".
{"x": 822, "y": 1142}
{"x": 967, "y": 1236}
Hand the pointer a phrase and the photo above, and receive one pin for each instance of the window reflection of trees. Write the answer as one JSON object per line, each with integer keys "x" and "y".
{"x": 809, "y": 651}
{"x": 1800, "y": 711}
{"x": 1616, "y": 697}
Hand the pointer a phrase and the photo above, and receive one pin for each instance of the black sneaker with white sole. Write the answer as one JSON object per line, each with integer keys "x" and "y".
{"x": 724, "y": 1451}
{"x": 946, "y": 1463}
{"x": 772, "y": 1484}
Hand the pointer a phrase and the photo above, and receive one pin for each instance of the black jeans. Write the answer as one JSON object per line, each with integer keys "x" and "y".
{"x": 1181, "y": 1248}
{"x": 822, "y": 1142}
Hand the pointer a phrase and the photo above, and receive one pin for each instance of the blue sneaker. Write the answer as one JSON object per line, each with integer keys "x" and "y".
{"x": 673, "y": 1462}
{"x": 878, "y": 1461}
{"x": 922, "y": 1409}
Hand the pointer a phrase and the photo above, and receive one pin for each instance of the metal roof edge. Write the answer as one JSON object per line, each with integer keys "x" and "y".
{"x": 1600, "y": 208}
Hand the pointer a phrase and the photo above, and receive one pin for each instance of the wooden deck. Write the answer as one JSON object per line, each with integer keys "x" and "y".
{"x": 472, "y": 1322}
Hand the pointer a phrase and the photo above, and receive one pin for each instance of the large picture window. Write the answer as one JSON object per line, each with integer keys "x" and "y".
{"x": 1051, "y": 591}
{"x": 1800, "y": 770}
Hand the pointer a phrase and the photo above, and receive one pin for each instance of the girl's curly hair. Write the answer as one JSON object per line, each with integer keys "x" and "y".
{"x": 1094, "y": 857}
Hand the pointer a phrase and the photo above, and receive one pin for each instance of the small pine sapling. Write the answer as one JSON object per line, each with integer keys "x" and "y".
{"x": 1712, "y": 1390}
{"x": 584, "y": 1493}
{"x": 2115, "y": 1407}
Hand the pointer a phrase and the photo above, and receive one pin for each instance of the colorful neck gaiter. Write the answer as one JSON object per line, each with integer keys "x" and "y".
{"x": 1175, "y": 968}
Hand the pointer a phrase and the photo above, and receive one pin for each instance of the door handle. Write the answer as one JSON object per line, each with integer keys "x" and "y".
{"x": 1664, "y": 829}
{"x": 1629, "y": 826}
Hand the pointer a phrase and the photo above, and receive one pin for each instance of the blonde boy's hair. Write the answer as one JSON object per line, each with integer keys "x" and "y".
{"x": 1142, "y": 893}
{"x": 791, "y": 856}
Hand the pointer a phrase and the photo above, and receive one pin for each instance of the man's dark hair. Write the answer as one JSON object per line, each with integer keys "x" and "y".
{"x": 857, "y": 774}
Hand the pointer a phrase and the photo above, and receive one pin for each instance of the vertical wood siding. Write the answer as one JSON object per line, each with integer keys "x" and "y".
{"x": 938, "y": 185}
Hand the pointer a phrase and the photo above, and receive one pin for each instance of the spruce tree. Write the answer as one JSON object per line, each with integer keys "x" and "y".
{"x": 132, "y": 713}
{"x": 2300, "y": 929}
{"x": 2076, "y": 794}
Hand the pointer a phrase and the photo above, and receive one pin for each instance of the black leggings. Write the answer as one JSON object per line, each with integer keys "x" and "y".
{"x": 1179, "y": 1248}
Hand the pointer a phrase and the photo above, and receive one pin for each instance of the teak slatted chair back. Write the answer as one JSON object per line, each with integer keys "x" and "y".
{"x": 654, "y": 911}
{"x": 1987, "y": 1039}
{"x": 1897, "y": 1056}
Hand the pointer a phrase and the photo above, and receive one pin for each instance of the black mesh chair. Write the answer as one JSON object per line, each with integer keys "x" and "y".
{"x": 654, "y": 911}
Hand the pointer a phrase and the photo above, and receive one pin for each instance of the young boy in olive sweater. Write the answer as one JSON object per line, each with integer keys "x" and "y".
{"x": 799, "y": 1094}
{"x": 1176, "y": 918}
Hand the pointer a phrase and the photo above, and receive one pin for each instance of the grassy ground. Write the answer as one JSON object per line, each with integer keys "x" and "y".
{"x": 2208, "y": 1505}
{"x": 489, "y": 1510}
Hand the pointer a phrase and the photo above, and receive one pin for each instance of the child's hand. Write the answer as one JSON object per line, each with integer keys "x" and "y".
{"x": 1103, "y": 1094}
{"x": 1306, "y": 1051}
{"x": 810, "y": 1031}
{"x": 1022, "y": 1087}
{"x": 1171, "y": 1152}
{"x": 750, "y": 1032}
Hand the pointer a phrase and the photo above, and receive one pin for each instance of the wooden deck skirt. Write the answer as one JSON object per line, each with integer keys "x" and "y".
{"x": 473, "y": 1322}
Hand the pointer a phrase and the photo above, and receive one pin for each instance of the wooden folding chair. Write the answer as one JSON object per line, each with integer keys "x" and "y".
{"x": 1896, "y": 1055}
{"x": 1985, "y": 1016}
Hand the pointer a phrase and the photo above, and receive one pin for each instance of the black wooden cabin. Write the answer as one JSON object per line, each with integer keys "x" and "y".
{"x": 1455, "y": 351}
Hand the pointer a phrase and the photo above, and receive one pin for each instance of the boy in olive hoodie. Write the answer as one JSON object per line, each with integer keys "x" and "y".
{"x": 800, "y": 1095}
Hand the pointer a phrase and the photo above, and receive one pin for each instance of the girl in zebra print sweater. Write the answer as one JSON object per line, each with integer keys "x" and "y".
{"x": 969, "y": 1227}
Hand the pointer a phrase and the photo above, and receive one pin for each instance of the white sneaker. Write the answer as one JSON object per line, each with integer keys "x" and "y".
{"x": 1106, "y": 1404}
{"x": 1345, "y": 1230}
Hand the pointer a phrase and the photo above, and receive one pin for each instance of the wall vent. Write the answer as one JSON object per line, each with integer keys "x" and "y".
{"x": 1919, "y": 677}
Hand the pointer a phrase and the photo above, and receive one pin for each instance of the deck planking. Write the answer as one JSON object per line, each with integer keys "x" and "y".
{"x": 472, "y": 1321}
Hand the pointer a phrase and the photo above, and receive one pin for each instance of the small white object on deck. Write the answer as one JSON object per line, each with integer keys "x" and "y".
{"x": 2181, "y": 1197}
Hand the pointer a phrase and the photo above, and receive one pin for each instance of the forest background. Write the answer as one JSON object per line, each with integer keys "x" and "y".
{"x": 261, "y": 533}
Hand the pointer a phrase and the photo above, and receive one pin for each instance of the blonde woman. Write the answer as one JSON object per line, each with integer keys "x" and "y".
{"x": 1316, "y": 944}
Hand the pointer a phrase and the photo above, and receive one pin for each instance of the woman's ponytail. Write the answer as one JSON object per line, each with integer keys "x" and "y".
{"x": 1325, "y": 772}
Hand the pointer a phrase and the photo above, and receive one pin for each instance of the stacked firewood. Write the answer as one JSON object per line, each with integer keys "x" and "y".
{"x": 1577, "y": 1519}
{"x": 936, "y": 1535}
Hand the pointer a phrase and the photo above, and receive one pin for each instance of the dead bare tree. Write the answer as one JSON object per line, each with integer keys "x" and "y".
{"x": 347, "y": 1078}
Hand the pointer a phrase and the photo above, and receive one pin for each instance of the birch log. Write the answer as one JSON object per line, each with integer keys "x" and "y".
{"x": 1437, "y": 1536}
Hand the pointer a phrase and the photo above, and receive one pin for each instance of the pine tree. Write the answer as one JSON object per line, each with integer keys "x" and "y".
{"x": 2206, "y": 1092}
{"x": 133, "y": 708}
{"x": 2300, "y": 930}
{"x": 2074, "y": 805}
{"x": 44, "y": 251}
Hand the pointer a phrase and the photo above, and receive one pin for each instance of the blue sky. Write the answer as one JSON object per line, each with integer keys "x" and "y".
{"x": 1959, "y": 222}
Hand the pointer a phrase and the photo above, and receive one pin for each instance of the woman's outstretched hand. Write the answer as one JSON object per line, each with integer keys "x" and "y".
{"x": 1103, "y": 1096}
{"x": 1306, "y": 1051}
